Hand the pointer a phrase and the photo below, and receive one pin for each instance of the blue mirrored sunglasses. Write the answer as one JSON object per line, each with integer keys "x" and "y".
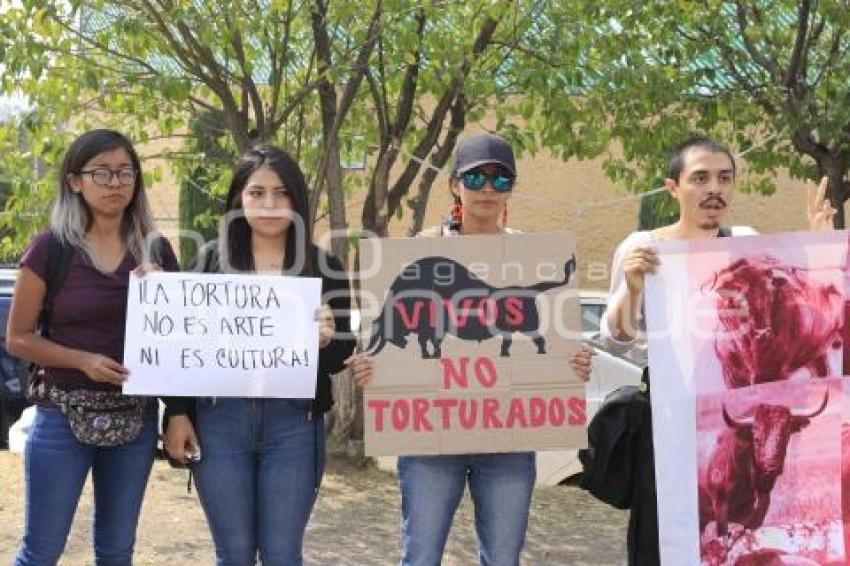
{"x": 474, "y": 180}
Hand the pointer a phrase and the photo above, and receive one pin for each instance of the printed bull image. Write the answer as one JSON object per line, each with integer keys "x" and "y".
{"x": 845, "y": 481}
{"x": 736, "y": 482}
{"x": 773, "y": 321}
{"x": 463, "y": 305}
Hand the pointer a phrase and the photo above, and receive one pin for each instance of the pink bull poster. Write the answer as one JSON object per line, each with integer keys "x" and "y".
{"x": 749, "y": 396}
{"x": 471, "y": 339}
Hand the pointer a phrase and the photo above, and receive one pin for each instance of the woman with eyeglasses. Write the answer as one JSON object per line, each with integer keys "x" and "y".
{"x": 482, "y": 181}
{"x": 261, "y": 460}
{"x": 101, "y": 229}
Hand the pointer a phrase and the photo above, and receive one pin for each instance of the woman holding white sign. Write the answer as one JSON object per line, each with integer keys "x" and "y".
{"x": 483, "y": 179}
{"x": 261, "y": 460}
{"x": 68, "y": 318}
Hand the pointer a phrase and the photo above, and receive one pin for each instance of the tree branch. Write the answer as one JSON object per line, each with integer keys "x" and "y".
{"x": 380, "y": 111}
{"x": 104, "y": 48}
{"x": 278, "y": 63}
{"x": 435, "y": 124}
{"x": 762, "y": 60}
{"x": 249, "y": 88}
{"x": 835, "y": 53}
{"x": 728, "y": 56}
{"x": 183, "y": 56}
{"x": 407, "y": 94}
{"x": 799, "y": 49}
{"x": 803, "y": 142}
{"x": 438, "y": 160}
{"x": 358, "y": 70}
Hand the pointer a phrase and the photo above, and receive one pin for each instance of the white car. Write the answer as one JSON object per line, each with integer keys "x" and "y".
{"x": 610, "y": 371}
{"x": 8, "y": 276}
{"x": 592, "y": 308}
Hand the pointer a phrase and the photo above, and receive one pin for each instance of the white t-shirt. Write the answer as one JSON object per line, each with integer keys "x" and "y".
{"x": 444, "y": 230}
{"x": 637, "y": 347}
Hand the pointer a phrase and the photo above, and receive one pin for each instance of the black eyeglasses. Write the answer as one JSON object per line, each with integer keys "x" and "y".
{"x": 474, "y": 181}
{"x": 103, "y": 176}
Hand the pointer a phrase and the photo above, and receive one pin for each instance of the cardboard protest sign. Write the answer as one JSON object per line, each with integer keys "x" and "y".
{"x": 222, "y": 335}
{"x": 472, "y": 338}
{"x": 749, "y": 399}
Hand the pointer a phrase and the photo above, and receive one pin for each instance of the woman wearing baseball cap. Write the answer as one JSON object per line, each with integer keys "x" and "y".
{"x": 482, "y": 181}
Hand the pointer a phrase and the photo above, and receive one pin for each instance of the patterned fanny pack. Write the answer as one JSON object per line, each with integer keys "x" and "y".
{"x": 101, "y": 418}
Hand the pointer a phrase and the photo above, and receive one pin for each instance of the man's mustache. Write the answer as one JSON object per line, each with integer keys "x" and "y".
{"x": 713, "y": 200}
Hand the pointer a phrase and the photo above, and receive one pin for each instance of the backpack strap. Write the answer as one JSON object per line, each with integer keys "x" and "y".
{"x": 59, "y": 257}
{"x": 158, "y": 247}
{"x": 208, "y": 258}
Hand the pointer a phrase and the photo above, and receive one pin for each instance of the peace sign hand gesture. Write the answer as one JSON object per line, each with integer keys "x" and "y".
{"x": 819, "y": 210}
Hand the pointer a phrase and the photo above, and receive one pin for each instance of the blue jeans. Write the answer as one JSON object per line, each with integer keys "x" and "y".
{"x": 56, "y": 467}
{"x": 432, "y": 487}
{"x": 261, "y": 466}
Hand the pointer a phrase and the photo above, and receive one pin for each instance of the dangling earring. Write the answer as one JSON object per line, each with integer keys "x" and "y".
{"x": 505, "y": 215}
{"x": 456, "y": 214}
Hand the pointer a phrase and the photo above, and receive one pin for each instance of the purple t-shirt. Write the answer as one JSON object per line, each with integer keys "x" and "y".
{"x": 89, "y": 308}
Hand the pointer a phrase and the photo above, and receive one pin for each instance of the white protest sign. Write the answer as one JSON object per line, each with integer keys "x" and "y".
{"x": 748, "y": 356}
{"x": 214, "y": 335}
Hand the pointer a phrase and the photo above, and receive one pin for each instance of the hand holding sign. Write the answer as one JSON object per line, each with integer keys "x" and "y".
{"x": 145, "y": 267}
{"x": 361, "y": 367}
{"x": 473, "y": 342}
{"x": 103, "y": 369}
{"x": 224, "y": 335}
{"x": 581, "y": 362}
{"x": 325, "y": 318}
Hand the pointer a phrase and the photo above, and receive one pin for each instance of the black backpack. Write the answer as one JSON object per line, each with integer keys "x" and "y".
{"x": 59, "y": 256}
{"x": 618, "y": 462}
{"x": 613, "y": 439}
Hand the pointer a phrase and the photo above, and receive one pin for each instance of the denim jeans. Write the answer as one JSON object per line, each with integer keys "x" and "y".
{"x": 56, "y": 466}
{"x": 261, "y": 465}
{"x": 432, "y": 487}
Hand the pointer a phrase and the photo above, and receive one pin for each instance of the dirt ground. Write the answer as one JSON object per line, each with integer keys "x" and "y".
{"x": 355, "y": 522}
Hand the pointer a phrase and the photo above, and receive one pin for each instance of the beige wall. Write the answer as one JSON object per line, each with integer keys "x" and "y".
{"x": 576, "y": 196}
{"x": 551, "y": 195}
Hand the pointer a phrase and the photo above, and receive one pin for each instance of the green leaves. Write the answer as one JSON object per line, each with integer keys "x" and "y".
{"x": 646, "y": 75}
{"x": 620, "y": 79}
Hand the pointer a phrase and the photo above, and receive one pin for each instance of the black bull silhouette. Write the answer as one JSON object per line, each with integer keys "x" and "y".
{"x": 425, "y": 301}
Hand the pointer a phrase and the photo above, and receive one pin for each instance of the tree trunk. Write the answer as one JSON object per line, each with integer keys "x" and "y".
{"x": 438, "y": 160}
{"x": 330, "y": 174}
{"x": 447, "y": 102}
{"x": 836, "y": 171}
{"x": 373, "y": 217}
{"x": 832, "y": 163}
{"x": 345, "y": 422}
{"x": 336, "y": 204}
{"x": 420, "y": 201}
{"x": 333, "y": 111}
{"x": 841, "y": 195}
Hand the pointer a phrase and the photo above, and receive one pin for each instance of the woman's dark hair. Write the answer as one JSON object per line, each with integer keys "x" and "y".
{"x": 71, "y": 217}
{"x": 298, "y": 253}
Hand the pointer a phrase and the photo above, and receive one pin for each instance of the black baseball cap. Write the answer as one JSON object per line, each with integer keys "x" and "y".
{"x": 482, "y": 149}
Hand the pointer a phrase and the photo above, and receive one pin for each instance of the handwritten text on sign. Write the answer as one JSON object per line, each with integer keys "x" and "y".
{"x": 472, "y": 338}
{"x": 480, "y": 412}
{"x": 222, "y": 335}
